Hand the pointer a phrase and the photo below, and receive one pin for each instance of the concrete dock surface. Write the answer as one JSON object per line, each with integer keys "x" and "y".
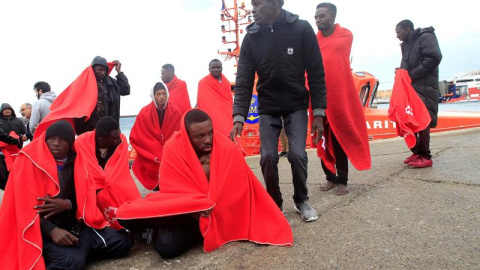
{"x": 395, "y": 217}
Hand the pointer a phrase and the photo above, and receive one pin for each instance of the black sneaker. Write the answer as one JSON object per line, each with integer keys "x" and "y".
{"x": 283, "y": 154}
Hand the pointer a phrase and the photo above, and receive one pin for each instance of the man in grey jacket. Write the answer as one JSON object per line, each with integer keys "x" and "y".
{"x": 41, "y": 107}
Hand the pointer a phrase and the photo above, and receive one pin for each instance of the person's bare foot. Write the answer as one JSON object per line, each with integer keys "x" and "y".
{"x": 329, "y": 185}
{"x": 342, "y": 190}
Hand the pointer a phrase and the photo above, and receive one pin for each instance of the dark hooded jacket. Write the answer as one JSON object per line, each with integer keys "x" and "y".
{"x": 12, "y": 124}
{"x": 280, "y": 54}
{"x": 421, "y": 56}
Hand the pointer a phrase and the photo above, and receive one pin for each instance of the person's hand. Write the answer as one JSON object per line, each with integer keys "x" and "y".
{"x": 205, "y": 213}
{"x": 236, "y": 131}
{"x": 317, "y": 128}
{"x": 52, "y": 206}
{"x": 118, "y": 66}
{"x": 63, "y": 238}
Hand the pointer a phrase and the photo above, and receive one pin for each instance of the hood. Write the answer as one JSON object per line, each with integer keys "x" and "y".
{"x": 153, "y": 97}
{"x": 419, "y": 31}
{"x": 7, "y": 106}
{"x": 286, "y": 17}
{"x": 98, "y": 60}
{"x": 50, "y": 96}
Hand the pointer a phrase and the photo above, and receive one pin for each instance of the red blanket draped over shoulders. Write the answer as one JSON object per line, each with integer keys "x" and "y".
{"x": 148, "y": 140}
{"x": 35, "y": 175}
{"x": 242, "y": 209}
{"x": 115, "y": 180}
{"x": 10, "y": 151}
{"x": 76, "y": 101}
{"x": 179, "y": 94}
{"x": 344, "y": 111}
{"x": 407, "y": 109}
{"x": 216, "y": 100}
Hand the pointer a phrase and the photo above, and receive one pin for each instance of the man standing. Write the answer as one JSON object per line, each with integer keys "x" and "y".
{"x": 177, "y": 88}
{"x": 345, "y": 132}
{"x": 153, "y": 127}
{"x": 215, "y": 98}
{"x": 109, "y": 92}
{"x": 280, "y": 48}
{"x": 41, "y": 107}
{"x": 9, "y": 122}
{"x": 26, "y": 112}
{"x": 420, "y": 57}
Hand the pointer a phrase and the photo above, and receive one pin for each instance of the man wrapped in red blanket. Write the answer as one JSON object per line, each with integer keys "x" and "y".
{"x": 206, "y": 189}
{"x": 345, "y": 133}
{"x": 103, "y": 154}
{"x": 49, "y": 218}
{"x": 154, "y": 125}
{"x": 215, "y": 98}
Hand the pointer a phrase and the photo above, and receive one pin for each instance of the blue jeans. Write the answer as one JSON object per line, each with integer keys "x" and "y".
{"x": 295, "y": 125}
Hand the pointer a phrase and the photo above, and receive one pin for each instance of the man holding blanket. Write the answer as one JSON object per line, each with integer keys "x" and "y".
{"x": 345, "y": 132}
{"x": 206, "y": 189}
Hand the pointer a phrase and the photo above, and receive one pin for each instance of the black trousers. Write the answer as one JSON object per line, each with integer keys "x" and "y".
{"x": 422, "y": 148}
{"x": 341, "y": 164}
{"x": 93, "y": 244}
{"x": 295, "y": 125}
{"x": 172, "y": 236}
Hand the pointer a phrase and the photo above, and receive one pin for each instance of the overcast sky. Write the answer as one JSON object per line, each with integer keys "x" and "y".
{"x": 54, "y": 41}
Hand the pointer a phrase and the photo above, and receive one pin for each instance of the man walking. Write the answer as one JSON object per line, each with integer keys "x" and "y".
{"x": 345, "y": 132}
{"x": 420, "y": 57}
{"x": 280, "y": 48}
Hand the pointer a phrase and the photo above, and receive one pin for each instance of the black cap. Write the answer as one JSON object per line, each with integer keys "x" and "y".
{"x": 158, "y": 86}
{"x": 98, "y": 60}
{"x": 62, "y": 129}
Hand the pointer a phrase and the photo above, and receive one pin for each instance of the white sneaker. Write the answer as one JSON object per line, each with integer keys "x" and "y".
{"x": 306, "y": 211}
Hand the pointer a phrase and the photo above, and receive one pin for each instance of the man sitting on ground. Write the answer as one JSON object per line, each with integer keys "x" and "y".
{"x": 103, "y": 154}
{"x": 206, "y": 189}
{"x": 154, "y": 125}
{"x": 48, "y": 218}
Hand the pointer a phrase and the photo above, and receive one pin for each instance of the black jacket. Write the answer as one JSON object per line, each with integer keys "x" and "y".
{"x": 12, "y": 124}
{"x": 4, "y": 137}
{"x": 421, "y": 56}
{"x": 280, "y": 54}
{"x": 115, "y": 89}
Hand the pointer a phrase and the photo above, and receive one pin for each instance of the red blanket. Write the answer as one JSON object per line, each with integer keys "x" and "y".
{"x": 148, "y": 139}
{"x": 10, "y": 151}
{"x": 179, "y": 94}
{"x": 344, "y": 110}
{"x": 35, "y": 175}
{"x": 407, "y": 109}
{"x": 216, "y": 100}
{"x": 115, "y": 180}
{"x": 76, "y": 101}
{"x": 242, "y": 209}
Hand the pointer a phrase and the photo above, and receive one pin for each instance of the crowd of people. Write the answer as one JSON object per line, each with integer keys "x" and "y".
{"x": 69, "y": 194}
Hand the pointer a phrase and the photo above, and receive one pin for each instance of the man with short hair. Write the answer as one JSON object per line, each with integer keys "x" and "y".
{"x": 177, "y": 88}
{"x": 26, "y": 112}
{"x": 108, "y": 95}
{"x": 41, "y": 107}
{"x": 421, "y": 56}
{"x": 56, "y": 224}
{"x": 281, "y": 48}
{"x": 154, "y": 125}
{"x": 103, "y": 155}
{"x": 206, "y": 189}
{"x": 215, "y": 97}
{"x": 345, "y": 132}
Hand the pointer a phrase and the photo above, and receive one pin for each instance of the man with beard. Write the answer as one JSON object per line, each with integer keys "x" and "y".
{"x": 41, "y": 107}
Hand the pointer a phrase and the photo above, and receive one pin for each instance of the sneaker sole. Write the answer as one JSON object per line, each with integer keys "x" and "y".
{"x": 300, "y": 212}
